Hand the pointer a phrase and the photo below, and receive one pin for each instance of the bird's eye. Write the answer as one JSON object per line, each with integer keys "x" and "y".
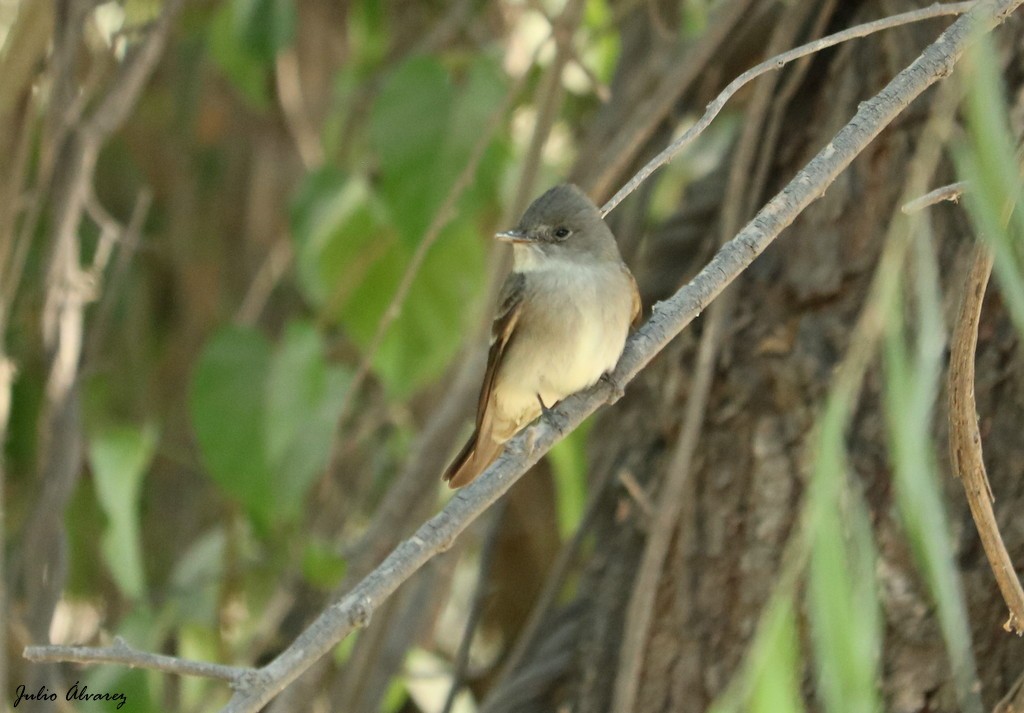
{"x": 562, "y": 233}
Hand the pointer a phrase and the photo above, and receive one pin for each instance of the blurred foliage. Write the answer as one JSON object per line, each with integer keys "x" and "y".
{"x": 991, "y": 162}
{"x": 208, "y": 435}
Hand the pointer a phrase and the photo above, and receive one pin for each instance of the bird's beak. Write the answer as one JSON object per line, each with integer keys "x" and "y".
{"x": 513, "y": 236}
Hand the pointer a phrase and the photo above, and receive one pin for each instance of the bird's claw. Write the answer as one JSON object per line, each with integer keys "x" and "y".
{"x": 617, "y": 389}
{"x": 552, "y": 417}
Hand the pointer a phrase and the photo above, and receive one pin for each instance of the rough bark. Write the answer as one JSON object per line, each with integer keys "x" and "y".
{"x": 790, "y": 328}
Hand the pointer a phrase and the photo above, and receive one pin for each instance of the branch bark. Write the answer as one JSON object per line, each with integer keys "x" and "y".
{"x": 965, "y": 438}
{"x": 122, "y": 653}
{"x": 669, "y": 318}
{"x": 255, "y": 688}
{"x": 777, "y": 62}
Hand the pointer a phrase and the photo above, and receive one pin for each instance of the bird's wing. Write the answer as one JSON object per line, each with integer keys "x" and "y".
{"x": 509, "y": 309}
{"x": 638, "y": 307}
{"x": 481, "y": 449}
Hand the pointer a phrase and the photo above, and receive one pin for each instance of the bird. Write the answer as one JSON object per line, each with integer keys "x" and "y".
{"x": 561, "y": 323}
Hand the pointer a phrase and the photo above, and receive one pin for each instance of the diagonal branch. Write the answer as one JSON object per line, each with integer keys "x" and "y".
{"x": 777, "y": 62}
{"x": 669, "y": 318}
{"x": 122, "y": 653}
{"x": 965, "y": 438}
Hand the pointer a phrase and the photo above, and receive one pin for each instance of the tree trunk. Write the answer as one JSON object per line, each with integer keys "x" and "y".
{"x": 789, "y": 327}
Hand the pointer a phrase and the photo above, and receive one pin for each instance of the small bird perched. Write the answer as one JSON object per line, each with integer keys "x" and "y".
{"x": 561, "y": 323}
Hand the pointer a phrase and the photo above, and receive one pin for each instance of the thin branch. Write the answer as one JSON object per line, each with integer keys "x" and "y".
{"x": 1013, "y": 701}
{"x": 476, "y": 607}
{"x": 385, "y": 530}
{"x": 127, "y": 241}
{"x": 278, "y": 258}
{"x": 640, "y": 609}
{"x": 624, "y": 140}
{"x": 678, "y": 480}
{"x": 965, "y": 437}
{"x": 669, "y": 318}
{"x": 433, "y": 232}
{"x": 127, "y": 86}
{"x": 122, "y": 653}
{"x": 553, "y": 584}
{"x": 952, "y": 192}
{"x": 69, "y": 160}
{"x": 777, "y": 62}
{"x": 638, "y": 494}
{"x": 288, "y": 79}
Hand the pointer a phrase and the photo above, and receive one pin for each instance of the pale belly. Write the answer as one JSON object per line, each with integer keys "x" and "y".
{"x": 557, "y": 352}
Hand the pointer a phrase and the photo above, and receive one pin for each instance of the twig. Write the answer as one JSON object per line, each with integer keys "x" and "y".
{"x": 965, "y": 438}
{"x": 476, "y": 609}
{"x": 127, "y": 239}
{"x": 1013, "y": 701}
{"x": 554, "y": 581}
{"x": 952, "y": 192}
{"x": 563, "y": 42}
{"x": 679, "y": 474}
{"x": 433, "y": 232}
{"x": 549, "y": 101}
{"x": 640, "y": 609}
{"x": 618, "y": 151}
{"x": 269, "y": 274}
{"x": 127, "y": 86}
{"x": 777, "y": 62}
{"x": 637, "y": 492}
{"x": 288, "y": 79}
{"x": 122, "y": 653}
{"x": 668, "y": 319}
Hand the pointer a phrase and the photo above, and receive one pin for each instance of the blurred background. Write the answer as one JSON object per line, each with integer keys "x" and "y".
{"x": 246, "y": 277}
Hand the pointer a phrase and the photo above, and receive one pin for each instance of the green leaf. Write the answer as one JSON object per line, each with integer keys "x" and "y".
{"x": 776, "y": 674}
{"x": 987, "y": 161}
{"x": 199, "y": 643}
{"x": 339, "y": 235}
{"x": 409, "y": 124}
{"x": 844, "y": 610}
{"x": 247, "y": 72}
{"x": 322, "y": 566}
{"x": 480, "y": 93}
{"x": 196, "y": 578}
{"x": 842, "y": 600}
{"x": 304, "y": 399}
{"x": 913, "y": 373}
{"x": 119, "y": 457}
{"x": 350, "y": 264}
{"x": 227, "y": 405}
{"x": 769, "y": 679}
{"x": 263, "y": 27}
{"x": 568, "y": 460}
{"x": 435, "y": 315}
{"x": 355, "y": 240}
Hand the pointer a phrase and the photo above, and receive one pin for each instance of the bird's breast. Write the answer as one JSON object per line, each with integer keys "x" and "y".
{"x": 572, "y": 329}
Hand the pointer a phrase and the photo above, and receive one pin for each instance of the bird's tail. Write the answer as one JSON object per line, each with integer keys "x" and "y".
{"x": 478, "y": 453}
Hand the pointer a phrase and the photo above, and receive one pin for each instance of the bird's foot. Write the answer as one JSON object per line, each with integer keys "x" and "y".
{"x": 552, "y": 417}
{"x": 618, "y": 390}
